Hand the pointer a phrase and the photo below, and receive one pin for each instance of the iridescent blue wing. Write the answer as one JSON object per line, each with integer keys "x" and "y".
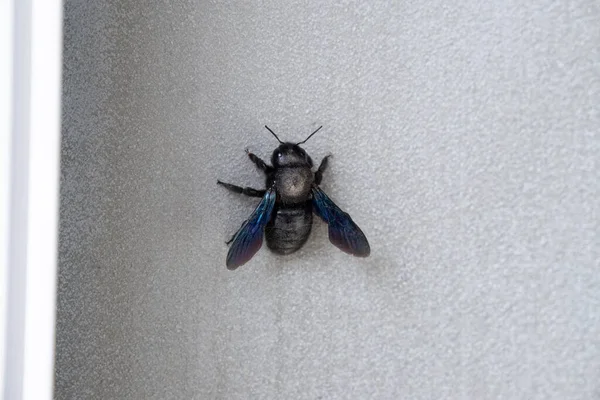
{"x": 248, "y": 240}
{"x": 343, "y": 232}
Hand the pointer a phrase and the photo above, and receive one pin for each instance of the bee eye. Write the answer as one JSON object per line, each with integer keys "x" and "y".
{"x": 279, "y": 154}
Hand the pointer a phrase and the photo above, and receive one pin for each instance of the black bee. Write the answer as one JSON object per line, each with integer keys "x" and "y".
{"x": 284, "y": 214}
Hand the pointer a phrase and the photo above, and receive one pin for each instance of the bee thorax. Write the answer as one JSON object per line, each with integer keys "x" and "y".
{"x": 293, "y": 184}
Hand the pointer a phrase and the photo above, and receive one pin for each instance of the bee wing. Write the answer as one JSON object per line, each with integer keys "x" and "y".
{"x": 343, "y": 232}
{"x": 248, "y": 239}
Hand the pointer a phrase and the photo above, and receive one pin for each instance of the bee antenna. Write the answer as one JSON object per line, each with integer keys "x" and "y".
{"x": 269, "y": 129}
{"x": 309, "y": 136}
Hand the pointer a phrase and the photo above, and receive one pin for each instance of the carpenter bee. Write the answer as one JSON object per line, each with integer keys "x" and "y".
{"x": 284, "y": 214}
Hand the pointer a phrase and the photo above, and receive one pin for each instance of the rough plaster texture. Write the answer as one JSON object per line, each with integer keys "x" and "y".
{"x": 466, "y": 145}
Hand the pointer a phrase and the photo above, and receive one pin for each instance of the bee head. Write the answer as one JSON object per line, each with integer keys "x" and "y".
{"x": 290, "y": 154}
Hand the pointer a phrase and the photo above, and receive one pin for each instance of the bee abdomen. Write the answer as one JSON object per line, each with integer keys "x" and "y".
{"x": 289, "y": 228}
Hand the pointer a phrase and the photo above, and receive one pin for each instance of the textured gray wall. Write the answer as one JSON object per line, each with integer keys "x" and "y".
{"x": 466, "y": 145}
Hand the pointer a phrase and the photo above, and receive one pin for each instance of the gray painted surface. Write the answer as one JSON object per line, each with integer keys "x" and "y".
{"x": 466, "y": 145}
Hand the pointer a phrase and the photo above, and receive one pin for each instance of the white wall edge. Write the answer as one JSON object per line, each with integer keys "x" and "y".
{"x": 18, "y": 170}
{"x": 6, "y": 60}
{"x": 44, "y": 166}
{"x": 32, "y": 190}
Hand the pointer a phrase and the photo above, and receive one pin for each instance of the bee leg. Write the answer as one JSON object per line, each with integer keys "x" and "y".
{"x": 243, "y": 190}
{"x": 322, "y": 168}
{"x": 231, "y": 240}
{"x": 259, "y": 163}
{"x": 235, "y": 234}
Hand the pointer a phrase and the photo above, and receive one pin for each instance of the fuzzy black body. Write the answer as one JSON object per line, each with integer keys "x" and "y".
{"x": 289, "y": 228}
{"x": 291, "y": 220}
{"x": 285, "y": 213}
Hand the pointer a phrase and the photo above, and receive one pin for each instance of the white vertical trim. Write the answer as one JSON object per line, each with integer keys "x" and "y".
{"x": 6, "y": 60}
{"x": 19, "y": 173}
{"x": 30, "y": 48}
{"x": 44, "y": 156}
